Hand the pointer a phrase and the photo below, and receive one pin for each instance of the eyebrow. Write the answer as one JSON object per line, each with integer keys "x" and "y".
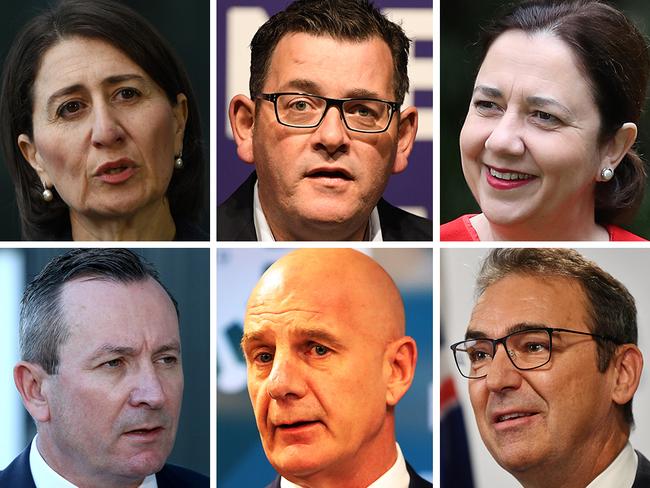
{"x": 309, "y": 86}
{"x": 542, "y": 102}
{"x": 111, "y": 80}
{"x": 316, "y": 335}
{"x": 113, "y": 349}
{"x": 489, "y": 91}
{"x": 477, "y": 334}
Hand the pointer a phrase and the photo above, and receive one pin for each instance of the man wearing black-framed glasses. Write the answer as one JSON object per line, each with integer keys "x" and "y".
{"x": 325, "y": 128}
{"x": 552, "y": 365}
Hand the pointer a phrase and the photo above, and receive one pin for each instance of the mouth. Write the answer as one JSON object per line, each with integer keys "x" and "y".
{"x": 509, "y": 175}
{"x": 330, "y": 173}
{"x": 115, "y": 172}
{"x": 511, "y": 416}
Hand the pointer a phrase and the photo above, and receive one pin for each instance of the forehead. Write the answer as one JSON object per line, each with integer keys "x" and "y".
{"x": 337, "y": 67}
{"x": 99, "y": 311}
{"x": 516, "y": 299}
{"x": 538, "y": 64}
{"x": 81, "y": 60}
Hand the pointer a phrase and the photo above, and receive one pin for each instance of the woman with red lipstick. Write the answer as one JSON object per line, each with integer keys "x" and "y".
{"x": 100, "y": 129}
{"x": 547, "y": 144}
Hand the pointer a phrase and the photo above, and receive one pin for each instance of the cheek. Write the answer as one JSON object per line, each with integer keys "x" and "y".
{"x": 59, "y": 154}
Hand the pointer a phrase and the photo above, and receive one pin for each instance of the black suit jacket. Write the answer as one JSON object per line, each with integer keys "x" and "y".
{"x": 19, "y": 475}
{"x": 235, "y": 219}
{"x": 642, "y": 479}
{"x": 416, "y": 480}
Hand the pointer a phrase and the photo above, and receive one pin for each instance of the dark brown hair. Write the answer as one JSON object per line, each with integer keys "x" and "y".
{"x": 127, "y": 31}
{"x": 613, "y": 55}
{"x": 350, "y": 20}
{"x": 611, "y": 309}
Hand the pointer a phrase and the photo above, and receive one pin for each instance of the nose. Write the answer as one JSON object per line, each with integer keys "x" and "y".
{"x": 147, "y": 390}
{"x": 106, "y": 128}
{"x": 502, "y": 374}
{"x": 332, "y": 135}
{"x": 286, "y": 378}
{"x": 506, "y": 137}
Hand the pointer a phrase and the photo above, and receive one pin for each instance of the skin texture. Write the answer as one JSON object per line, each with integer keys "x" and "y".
{"x": 324, "y": 344}
{"x": 297, "y": 204}
{"x": 533, "y": 113}
{"x": 120, "y": 370}
{"x": 102, "y": 120}
{"x": 575, "y": 428}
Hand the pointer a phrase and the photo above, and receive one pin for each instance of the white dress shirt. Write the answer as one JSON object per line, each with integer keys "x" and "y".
{"x": 620, "y": 473}
{"x": 396, "y": 477}
{"x": 264, "y": 234}
{"x": 46, "y": 477}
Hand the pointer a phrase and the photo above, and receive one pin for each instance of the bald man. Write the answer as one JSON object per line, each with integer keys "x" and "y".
{"x": 327, "y": 362}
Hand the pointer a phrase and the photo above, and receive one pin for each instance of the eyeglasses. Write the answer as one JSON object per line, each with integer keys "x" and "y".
{"x": 303, "y": 111}
{"x": 527, "y": 349}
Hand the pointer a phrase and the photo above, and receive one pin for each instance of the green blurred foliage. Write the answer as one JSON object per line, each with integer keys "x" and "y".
{"x": 460, "y": 26}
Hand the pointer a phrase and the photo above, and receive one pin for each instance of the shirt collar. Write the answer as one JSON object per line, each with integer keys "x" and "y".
{"x": 396, "y": 477}
{"x": 620, "y": 473}
{"x": 264, "y": 234}
{"x": 46, "y": 477}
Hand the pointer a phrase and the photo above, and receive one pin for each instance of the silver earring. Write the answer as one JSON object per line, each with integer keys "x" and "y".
{"x": 606, "y": 174}
{"x": 48, "y": 196}
{"x": 178, "y": 162}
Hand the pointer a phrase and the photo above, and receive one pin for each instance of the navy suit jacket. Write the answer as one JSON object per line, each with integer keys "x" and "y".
{"x": 235, "y": 219}
{"x": 416, "y": 480}
{"x": 19, "y": 475}
{"x": 642, "y": 479}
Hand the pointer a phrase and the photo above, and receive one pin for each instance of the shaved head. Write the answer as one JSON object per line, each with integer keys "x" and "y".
{"x": 341, "y": 279}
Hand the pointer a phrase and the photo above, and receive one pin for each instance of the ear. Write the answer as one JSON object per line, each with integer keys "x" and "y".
{"x": 242, "y": 119}
{"x": 628, "y": 364}
{"x": 29, "y": 378}
{"x": 408, "y": 128}
{"x": 180, "y": 111}
{"x": 401, "y": 356}
{"x": 30, "y": 153}
{"x": 617, "y": 147}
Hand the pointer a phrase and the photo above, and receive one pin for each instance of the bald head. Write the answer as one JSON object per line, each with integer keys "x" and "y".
{"x": 342, "y": 280}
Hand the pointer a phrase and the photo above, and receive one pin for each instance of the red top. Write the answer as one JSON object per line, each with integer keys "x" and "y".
{"x": 461, "y": 230}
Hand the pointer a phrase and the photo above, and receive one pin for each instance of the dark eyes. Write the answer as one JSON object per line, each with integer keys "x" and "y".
{"x": 314, "y": 349}
{"x": 72, "y": 108}
{"x": 68, "y": 109}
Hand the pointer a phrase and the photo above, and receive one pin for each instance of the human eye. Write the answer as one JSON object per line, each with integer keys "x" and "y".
{"x": 69, "y": 109}
{"x": 168, "y": 360}
{"x": 486, "y": 107}
{"x": 319, "y": 350}
{"x": 545, "y": 118}
{"x": 113, "y": 363}
{"x": 127, "y": 93}
{"x": 479, "y": 353}
{"x": 362, "y": 109}
{"x": 263, "y": 357}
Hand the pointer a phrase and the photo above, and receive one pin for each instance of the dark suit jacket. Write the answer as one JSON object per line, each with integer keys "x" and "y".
{"x": 416, "y": 481}
{"x": 642, "y": 479}
{"x": 235, "y": 219}
{"x": 19, "y": 475}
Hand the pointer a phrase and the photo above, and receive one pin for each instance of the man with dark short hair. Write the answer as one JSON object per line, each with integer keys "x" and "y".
{"x": 328, "y": 360}
{"x": 101, "y": 375}
{"x": 551, "y": 356}
{"x": 324, "y": 128}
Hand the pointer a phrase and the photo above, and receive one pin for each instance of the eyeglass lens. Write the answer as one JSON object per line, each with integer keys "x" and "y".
{"x": 527, "y": 349}
{"x": 359, "y": 114}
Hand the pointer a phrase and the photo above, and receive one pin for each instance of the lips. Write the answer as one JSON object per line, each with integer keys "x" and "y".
{"x": 503, "y": 179}
{"x": 330, "y": 172}
{"x": 115, "y": 172}
{"x": 510, "y": 416}
{"x": 511, "y": 176}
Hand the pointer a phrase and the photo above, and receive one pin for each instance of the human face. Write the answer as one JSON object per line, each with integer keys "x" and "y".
{"x": 329, "y": 175}
{"x": 529, "y": 146}
{"x": 104, "y": 133}
{"x": 115, "y": 401}
{"x": 316, "y": 379}
{"x": 565, "y": 407}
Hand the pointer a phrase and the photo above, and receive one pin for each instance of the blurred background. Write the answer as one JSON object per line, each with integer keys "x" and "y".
{"x": 185, "y": 26}
{"x": 460, "y": 26}
{"x": 237, "y": 22}
{"x": 240, "y": 457}
{"x": 458, "y": 271}
{"x": 186, "y": 273}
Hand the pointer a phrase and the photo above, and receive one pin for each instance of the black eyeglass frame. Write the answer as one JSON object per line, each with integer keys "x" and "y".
{"x": 502, "y": 340}
{"x": 330, "y": 102}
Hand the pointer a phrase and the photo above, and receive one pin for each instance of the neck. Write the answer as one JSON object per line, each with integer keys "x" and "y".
{"x": 583, "y": 466}
{"x": 154, "y": 223}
